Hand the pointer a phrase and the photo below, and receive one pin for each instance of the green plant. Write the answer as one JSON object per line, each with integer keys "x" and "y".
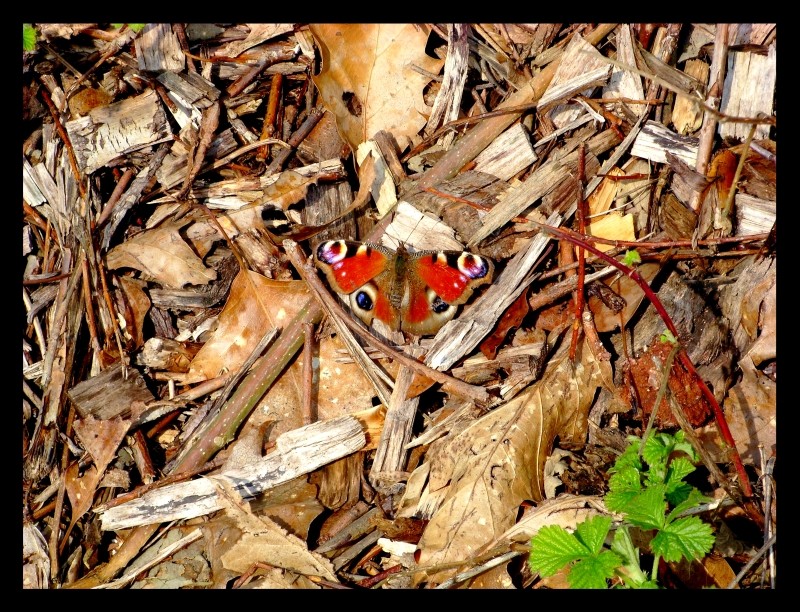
{"x": 651, "y": 495}
{"x": 28, "y": 37}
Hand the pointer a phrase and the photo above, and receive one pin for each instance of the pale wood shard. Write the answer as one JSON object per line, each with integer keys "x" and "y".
{"x": 109, "y": 132}
{"x": 509, "y": 154}
{"x": 298, "y": 452}
{"x": 749, "y": 91}
{"x": 447, "y": 104}
{"x": 158, "y": 48}
{"x": 390, "y": 456}
{"x": 32, "y": 188}
{"x": 655, "y": 141}
{"x": 687, "y": 115}
{"x": 541, "y": 182}
{"x": 581, "y": 68}
{"x": 191, "y": 94}
{"x": 754, "y": 215}
{"x": 461, "y": 335}
{"x": 624, "y": 83}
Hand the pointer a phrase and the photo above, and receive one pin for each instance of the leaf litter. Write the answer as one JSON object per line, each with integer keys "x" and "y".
{"x": 175, "y": 349}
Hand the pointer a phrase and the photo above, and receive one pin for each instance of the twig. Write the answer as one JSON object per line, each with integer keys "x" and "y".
{"x": 73, "y": 162}
{"x": 767, "y": 545}
{"x": 294, "y": 140}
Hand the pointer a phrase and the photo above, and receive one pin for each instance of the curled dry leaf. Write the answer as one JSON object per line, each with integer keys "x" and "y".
{"x": 496, "y": 463}
{"x": 163, "y": 254}
{"x": 101, "y": 438}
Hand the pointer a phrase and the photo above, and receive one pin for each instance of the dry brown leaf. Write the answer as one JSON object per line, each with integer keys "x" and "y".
{"x": 496, "y": 463}
{"x": 263, "y": 541}
{"x": 163, "y": 254}
{"x": 100, "y": 438}
{"x": 749, "y": 304}
{"x": 290, "y": 188}
{"x": 751, "y": 412}
{"x": 566, "y": 511}
{"x": 255, "y": 305}
{"x": 134, "y": 309}
{"x": 80, "y": 488}
{"x": 606, "y": 319}
{"x": 341, "y": 388}
{"x": 378, "y": 87}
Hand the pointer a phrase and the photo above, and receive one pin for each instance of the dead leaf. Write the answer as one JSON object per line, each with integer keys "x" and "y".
{"x": 511, "y": 319}
{"x": 606, "y": 319}
{"x": 741, "y": 303}
{"x": 751, "y": 412}
{"x": 496, "y": 463}
{"x": 163, "y": 254}
{"x": 134, "y": 308}
{"x": 101, "y": 438}
{"x": 263, "y": 541}
{"x": 378, "y": 87}
{"x": 290, "y": 188}
{"x": 80, "y": 488}
{"x": 255, "y": 305}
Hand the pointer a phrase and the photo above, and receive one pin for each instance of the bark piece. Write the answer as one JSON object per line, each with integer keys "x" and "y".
{"x": 114, "y": 130}
{"x": 110, "y": 394}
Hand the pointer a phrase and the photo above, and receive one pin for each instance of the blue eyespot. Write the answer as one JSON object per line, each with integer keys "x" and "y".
{"x": 364, "y": 301}
{"x": 439, "y": 305}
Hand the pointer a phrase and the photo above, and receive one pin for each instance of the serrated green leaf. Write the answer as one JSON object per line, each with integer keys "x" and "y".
{"x": 657, "y": 449}
{"x": 687, "y": 537}
{"x": 629, "y": 457}
{"x": 627, "y": 479}
{"x": 592, "y": 572}
{"x": 646, "y": 510}
{"x": 135, "y": 27}
{"x": 631, "y": 258}
{"x": 28, "y": 37}
{"x": 694, "y": 498}
{"x": 593, "y": 531}
{"x": 668, "y": 337}
{"x": 679, "y": 468}
{"x": 552, "y": 548}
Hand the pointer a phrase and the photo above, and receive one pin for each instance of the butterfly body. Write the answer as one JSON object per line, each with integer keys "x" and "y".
{"x": 413, "y": 292}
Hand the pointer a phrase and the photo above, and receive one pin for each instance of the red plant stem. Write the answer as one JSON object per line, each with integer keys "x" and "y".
{"x": 722, "y": 424}
{"x": 581, "y": 214}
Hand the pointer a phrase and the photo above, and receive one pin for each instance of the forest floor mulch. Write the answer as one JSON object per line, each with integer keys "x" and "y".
{"x": 224, "y": 387}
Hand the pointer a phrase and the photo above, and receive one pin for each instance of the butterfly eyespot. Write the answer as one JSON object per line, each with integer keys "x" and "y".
{"x": 439, "y": 305}
{"x": 364, "y": 301}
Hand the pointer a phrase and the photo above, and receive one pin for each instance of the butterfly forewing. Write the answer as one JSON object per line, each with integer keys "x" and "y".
{"x": 453, "y": 275}
{"x": 349, "y": 265}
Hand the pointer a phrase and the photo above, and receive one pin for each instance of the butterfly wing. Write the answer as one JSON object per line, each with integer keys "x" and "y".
{"x": 438, "y": 281}
{"x": 453, "y": 275}
{"x": 363, "y": 272}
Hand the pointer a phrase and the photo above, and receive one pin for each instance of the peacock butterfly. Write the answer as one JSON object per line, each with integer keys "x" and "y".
{"x": 413, "y": 292}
